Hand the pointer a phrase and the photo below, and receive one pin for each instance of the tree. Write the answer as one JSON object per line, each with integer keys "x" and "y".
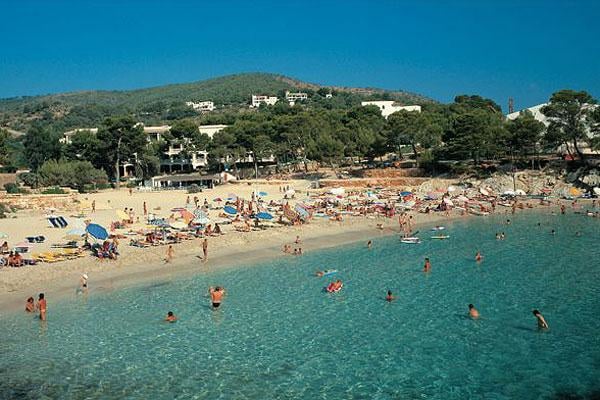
{"x": 84, "y": 146}
{"x": 122, "y": 139}
{"x": 568, "y": 114}
{"x": 185, "y": 128}
{"x": 414, "y": 129}
{"x": 4, "y": 150}
{"x": 525, "y": 133}
{"x": 40, "y": 145}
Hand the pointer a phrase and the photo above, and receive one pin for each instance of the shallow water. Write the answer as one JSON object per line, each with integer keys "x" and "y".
{"x": 279, "y": 336}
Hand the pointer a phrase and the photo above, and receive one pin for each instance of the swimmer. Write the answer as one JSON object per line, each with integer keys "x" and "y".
{"x": 553, "y": 232}
{"x": 41, "y": 306}
{"x": 427, "y": 266}
{"x": 473, "y": 313}
{"x": 216, "y": 296}
{"x": 334, "y": 286}
{"x": 369, "y": 244}
{"x": 542, "y": 324}
{"x": 319, "y": 273}
{"x": 497, "y": 236}
{"x": 30, "y": 305}
{"x": 478, "y": 256}
{"x": 170, "y": 317}
{"x": 390, "y": 297}
{"x": 578, "y": 234}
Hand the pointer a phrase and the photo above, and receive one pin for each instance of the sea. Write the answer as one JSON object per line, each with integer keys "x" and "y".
{"x": 279, "y": 335}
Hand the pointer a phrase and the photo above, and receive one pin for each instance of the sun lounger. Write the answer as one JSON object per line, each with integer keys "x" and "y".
{"x": 35, "y": 239}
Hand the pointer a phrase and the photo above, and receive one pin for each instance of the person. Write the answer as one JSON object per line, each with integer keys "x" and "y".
{"x": 217, "y": 230}
{"x": 4, "y": 247}
{"x": 319, "y": 273}
{"x": 171, "y": 317}
{"x": 216, "y": 296}
{"x": 297, "y": 241}
{"x": 553, "y": 232}
{"x": 369, "y": 244}
{"x": 542, "y": 324}
{"x": 205, "y": 250}
{"x": 473, "y": 313}
{"x": 170, "y": 253}
{"x": 145, "y": 209}
{"x": 478, "y": 256}
{"x": 578, "y": 234}
{"x": 41, "y": 306}
{"x": 427, "y": 266}
{"x": 334, "y": 286}
{"x": 502, "y": 236}
{"x": 93, "y": 205}
{"x": 390, "y": 297}
{"x": 83, "y": 282}
{"x": 30, "y": 305}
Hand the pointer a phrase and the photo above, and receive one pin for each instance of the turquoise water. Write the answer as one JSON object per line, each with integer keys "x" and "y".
{"x": 278, "y": 336}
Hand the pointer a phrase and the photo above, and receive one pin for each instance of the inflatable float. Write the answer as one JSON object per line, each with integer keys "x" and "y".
{"x": 410, "y": 240}
{"x": 441, "y": 237}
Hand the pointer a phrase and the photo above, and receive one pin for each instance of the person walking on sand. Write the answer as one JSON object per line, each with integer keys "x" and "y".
{"x": 145, "y": 209}
{"x": 41, "y": 306}
{"x": 170, "y": 254}
{"x": 205, "y": 250}
{"x": 542, "y": 324}
{"x": 93, "y": 205}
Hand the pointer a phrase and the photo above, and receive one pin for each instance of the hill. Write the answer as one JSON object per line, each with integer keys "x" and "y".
{"x": 76, "y": 108}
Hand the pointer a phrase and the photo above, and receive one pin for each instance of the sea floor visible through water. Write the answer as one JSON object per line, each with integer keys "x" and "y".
{"x": 278, "y": 335}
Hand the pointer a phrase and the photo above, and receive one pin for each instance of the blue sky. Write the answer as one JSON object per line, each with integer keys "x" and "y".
{"x": 524, "y": 49}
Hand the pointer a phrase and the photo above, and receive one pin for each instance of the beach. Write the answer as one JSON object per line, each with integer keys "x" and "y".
{"x": 139, "y": 264}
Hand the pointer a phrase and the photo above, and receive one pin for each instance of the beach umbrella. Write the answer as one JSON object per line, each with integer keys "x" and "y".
{"x": 230, "y": 210}
{"x": 448, "y": 201}
{"x": 186, "y": 215}
{"x": 178, "y": 225}
{"x": 217, "y": 199}
{"x": 404, "y": 194}
{"x": 290, "y": 192}
{"x": 201, "y": 220}
{"x": 337, "y": 191}
{"x": 262, "y": 194}
{"x": 199, "y": 213}
{"x": 520, "y": 192}
{"x": 462, "y": 198}
{"x": 509, "y": 193}
{"x": 597, "y": 191}
{"x": 3, "y": 235}
{"x": 122, "y": 214}
{"x": 232, "y": 196}
{"x": 97, "y": 231}
{"x": 301, "y": 211}
{"x": 574, "y": 192}
{"x": 484, "y": 192}
{"x": 264, "y": 215}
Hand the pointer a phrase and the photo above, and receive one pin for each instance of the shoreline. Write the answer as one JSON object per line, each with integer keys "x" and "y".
{"x": 318, "y": 235}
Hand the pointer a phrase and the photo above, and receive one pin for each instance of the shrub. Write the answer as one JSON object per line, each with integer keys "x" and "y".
{"x": 193, "y": 188}
{"x": 53, "y": 190}
{"x": 73, "y": 174}
{"x": 28, "y": 179}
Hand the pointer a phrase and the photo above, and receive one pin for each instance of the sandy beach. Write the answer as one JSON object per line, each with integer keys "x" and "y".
{"x": 146, "y": 264}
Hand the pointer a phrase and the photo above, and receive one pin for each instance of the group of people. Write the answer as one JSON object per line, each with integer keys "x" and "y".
{"x": 216, "y": 298}
{"x": 31, "y": 306}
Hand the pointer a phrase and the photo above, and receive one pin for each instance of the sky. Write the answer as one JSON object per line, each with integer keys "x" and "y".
{"x": 524, "y": 49}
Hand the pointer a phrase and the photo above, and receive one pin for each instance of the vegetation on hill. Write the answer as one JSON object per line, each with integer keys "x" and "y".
{"x": 167, "y": 103}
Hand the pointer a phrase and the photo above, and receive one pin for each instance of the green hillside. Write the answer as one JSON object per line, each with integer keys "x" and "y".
{"x": 165, "y": 103}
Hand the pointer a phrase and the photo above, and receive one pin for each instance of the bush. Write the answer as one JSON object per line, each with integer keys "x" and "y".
{"x": 73, "y": 174}
{"x": 54, "y": 190}
{"x": 193, "y": 188}
{"x": 3, "y": 210}
{"x": 28, "y": 179}
{"x": 13, "y": 188}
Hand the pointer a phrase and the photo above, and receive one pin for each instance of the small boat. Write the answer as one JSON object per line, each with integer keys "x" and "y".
{"x": 410, "y": 240}
{"x": 438, "y": 228}
{"x": 441, "y": 237}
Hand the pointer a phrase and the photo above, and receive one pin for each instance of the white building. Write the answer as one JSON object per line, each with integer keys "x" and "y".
{"x": 66, "y": 139}
{"x": 203, "y": 106}
{"x": 388, "y": 107}
{"x": 258, "y": 100}
{"x": 292, "y": 98}
{"x": 210, "y": 130}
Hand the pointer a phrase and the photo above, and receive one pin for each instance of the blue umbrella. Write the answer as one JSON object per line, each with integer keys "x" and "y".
{"x": 262, "y": 194}
{"x": 264, "y": 215}
{"x": 230, "y": 210}
{"x": 405, "y": 194}
{"x": 97, "y": 231}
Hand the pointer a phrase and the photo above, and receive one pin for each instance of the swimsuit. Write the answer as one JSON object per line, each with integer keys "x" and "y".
{"x": 216, "y": 305}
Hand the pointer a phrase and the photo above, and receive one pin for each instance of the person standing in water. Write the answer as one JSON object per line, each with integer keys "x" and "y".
{"x": 427, "y": 266}
{"x": 473, "y": 313}
{"x": 171, "y": 317}
{"x": 41, "y": 306}
{"x": 542, "y": 324}
{"x": 390, "y": 297}
{"x": 478, "y": 256}
{"x": 83, "y": 283}
{"x": 216, "y": 296}
{"x": 369, "y": 244}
